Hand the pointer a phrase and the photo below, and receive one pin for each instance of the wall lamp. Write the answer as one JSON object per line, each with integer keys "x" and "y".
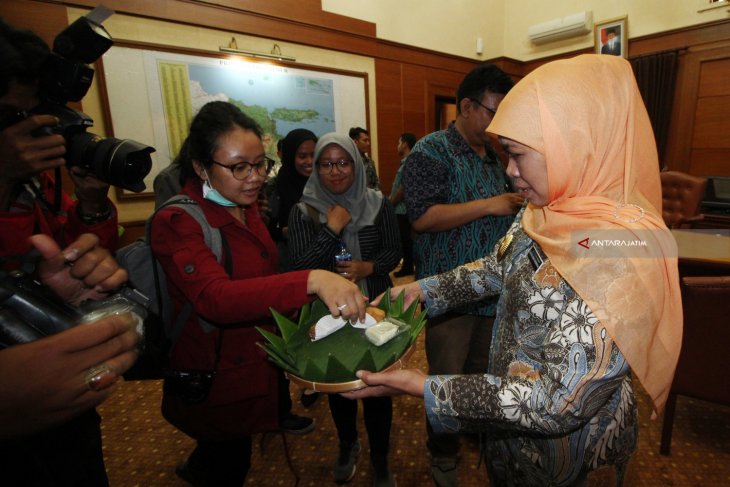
{"x": 275, "y": 53}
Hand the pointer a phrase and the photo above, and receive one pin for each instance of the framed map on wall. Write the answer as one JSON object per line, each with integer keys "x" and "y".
{"x": 153, "y": 94}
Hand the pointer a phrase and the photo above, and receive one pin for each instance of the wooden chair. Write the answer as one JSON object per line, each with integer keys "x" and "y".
{"x": 702, "y": 371}
{"x": 682, "y": 194}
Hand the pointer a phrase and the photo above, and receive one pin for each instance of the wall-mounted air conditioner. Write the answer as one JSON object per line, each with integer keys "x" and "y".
{"x": 569, "y": 26}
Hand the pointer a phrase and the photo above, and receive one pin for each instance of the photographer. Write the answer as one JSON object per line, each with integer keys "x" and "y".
{"x": 30, "y": 200}
{"x": 49, "y": 431}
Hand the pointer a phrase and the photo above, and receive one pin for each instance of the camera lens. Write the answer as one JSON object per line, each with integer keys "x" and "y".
{"x": 119, "y": 162}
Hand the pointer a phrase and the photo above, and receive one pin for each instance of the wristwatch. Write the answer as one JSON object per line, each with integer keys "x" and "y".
{"x": 93, "y": 218}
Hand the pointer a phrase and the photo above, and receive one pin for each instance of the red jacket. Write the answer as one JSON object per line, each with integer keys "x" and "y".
{"x": 235, "y": 304}
{"x": 26, "y": 219}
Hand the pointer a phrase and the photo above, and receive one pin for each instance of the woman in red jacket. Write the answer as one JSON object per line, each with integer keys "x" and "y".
{"x": 225, "y": 166}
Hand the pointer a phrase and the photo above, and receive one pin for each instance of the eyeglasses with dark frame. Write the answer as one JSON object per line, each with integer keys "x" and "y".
{"x": 343, "y": 165}
{"x": 243, "y": 170}
{"x": 491, "y": 111}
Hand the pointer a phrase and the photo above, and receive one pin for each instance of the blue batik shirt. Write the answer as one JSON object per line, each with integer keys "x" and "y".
{"x": 443, "y": 169}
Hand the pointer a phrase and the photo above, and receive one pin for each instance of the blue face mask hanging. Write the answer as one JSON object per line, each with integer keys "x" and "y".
{"x": 212, "y": 194}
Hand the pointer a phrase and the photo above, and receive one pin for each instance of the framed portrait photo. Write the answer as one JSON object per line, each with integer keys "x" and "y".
{"x": 611, "y": 37}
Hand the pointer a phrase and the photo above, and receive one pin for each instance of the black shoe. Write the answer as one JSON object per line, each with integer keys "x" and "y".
{"x": 308, "y": 398}
{"x": 189, "y": 475}
{"x": 382, "y": 476}
{"x": 403, "y": 273}
{"x": 296, "y": 425}
{"x": 444, "y": 472}
{"x": 346, "y": 465}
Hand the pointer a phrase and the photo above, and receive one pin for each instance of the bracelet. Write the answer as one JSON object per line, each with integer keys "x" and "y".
{"x": 93, "y": 218}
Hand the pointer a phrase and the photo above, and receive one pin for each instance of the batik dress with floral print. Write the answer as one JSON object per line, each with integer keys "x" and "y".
{"x": 557, "y": 401}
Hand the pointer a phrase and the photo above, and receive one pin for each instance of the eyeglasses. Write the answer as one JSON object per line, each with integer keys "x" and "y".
{"x": 243, "y": 170}
{"x": 325, "y": 167}
{"x": 491, "y": 111}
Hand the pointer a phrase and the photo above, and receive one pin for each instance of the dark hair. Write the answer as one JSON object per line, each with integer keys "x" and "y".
{"x": 22, "y": 55}
{"x": 289, "y": 183}
{"x": 356, "y": 131}
{"x": 409, "y": 138}
{"x": 485, "y": 77}
{"x": 213, "y": 120}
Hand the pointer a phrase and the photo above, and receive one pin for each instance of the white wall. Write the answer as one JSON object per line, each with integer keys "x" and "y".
{"x": 449, "y": 26}
{"x": 452, "y": 26}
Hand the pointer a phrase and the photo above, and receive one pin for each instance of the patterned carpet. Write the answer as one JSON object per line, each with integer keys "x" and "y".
{"x": 141, "y": 449}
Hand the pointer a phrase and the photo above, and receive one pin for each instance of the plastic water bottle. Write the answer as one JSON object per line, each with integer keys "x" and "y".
{"x": 343, "y": 255}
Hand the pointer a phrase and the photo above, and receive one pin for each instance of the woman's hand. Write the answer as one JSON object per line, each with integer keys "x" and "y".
{"x": 392, "y": 383}
{"x": 342, "y": 297}
{"x": 51, "y": 380}
{"x": 338, "y": 218}
{"x": 81, "y": 271}
{"x": 412, "y": 290}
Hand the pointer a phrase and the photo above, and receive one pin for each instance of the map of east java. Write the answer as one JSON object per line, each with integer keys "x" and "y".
{"x": 278, "y": 100}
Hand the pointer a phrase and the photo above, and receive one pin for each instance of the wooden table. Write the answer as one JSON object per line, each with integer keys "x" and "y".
{"x": 703, "y": 252}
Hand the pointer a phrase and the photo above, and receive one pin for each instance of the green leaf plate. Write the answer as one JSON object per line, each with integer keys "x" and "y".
{"x": 329, "y": 364}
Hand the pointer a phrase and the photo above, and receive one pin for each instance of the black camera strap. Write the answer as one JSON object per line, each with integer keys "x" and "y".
{"x": 33, "y": 186}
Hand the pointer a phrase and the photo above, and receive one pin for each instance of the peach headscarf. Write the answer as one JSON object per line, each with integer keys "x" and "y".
{"x": 586, "y": 117}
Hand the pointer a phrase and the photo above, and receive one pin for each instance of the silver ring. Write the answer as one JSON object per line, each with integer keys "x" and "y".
{"x": 100, "y": 377}
{"x": 342, "y": 306}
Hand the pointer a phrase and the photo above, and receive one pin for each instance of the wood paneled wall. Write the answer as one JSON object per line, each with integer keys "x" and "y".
{"x": 406, "y": 95}
{"x": 699, "y": 129}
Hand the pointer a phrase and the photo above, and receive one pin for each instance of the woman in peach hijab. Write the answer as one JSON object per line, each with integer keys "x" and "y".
{"x": 588, "y": 285}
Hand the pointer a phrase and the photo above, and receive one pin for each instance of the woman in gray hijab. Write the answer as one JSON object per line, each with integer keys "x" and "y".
{"x": 338, "y": 209}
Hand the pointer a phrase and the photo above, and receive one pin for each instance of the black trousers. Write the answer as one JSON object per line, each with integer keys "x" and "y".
{"x": 222, "y": 463}
{"x": 404, "y": 227}
{"x": 65, "y": 456}
{"x": 378, "y": 415}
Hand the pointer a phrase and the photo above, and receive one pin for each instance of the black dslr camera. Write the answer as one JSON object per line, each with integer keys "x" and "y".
{"x": 67, "y": 77}
{"x": 30, "y": 310}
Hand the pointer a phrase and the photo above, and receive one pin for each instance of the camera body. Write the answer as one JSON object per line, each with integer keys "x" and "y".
{"x": 67, "y": 77}
{"x": 29, "y": 310}
{"x": 120, "y": 162}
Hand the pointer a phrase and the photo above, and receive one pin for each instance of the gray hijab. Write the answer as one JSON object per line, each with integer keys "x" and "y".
{"x": 362, "y": 203}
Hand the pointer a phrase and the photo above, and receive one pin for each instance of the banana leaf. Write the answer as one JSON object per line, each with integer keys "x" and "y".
{"x": 336, "y": 357}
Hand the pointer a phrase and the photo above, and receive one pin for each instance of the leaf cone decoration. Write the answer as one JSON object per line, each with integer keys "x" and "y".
{"x": 337, "y": 357}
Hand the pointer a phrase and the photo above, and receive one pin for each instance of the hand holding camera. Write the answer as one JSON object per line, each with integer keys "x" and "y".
{"x": 56, "y": 370}
{"x": 60, "y": 132}
{"x": 46, "y": 382}
{"x": 74, "y": 288}
{"x": 24, "y": 155}
{"x": 81, "y": 271}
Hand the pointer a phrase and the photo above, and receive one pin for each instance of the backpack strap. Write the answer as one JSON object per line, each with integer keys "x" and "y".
{"x": 213, "y": 239}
